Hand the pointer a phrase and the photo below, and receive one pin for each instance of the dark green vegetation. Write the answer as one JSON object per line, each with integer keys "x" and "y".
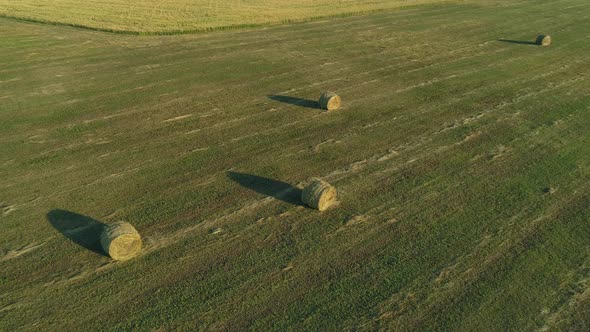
{"x": 462, "y": 164}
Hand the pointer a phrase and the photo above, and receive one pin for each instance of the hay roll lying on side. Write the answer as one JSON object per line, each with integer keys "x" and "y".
{"x": 544, "y": 40}
{"x": 121, "y": 241}
{"x": 319, "y": 194}
{"x": 330, "y": 101}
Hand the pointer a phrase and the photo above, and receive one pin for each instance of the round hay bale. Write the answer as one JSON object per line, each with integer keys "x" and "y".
{"x": 544, "y": 40}
{"x": 330, "y": 101}
{"x": 121, "y": 241}
{"x": 319, "y": 194}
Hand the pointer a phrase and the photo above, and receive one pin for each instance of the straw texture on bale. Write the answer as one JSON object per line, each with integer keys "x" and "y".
{"x": 544, "y": 40}
{"x": 319, "y": 194}
{"x": 121, "y": 241}
{"x": 330, "y": 101}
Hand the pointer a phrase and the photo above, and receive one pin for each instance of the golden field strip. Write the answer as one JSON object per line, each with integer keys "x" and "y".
{"x": 177, "y": 16}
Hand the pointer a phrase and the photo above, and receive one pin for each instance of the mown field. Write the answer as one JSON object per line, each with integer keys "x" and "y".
{"x": 461, "y": 156}
{"x": 181, "y": 16}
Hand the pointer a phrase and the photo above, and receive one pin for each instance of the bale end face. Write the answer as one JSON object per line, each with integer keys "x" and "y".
{"x": 319, "y": 194}
{"x": 543, "y": 40}
{"x": 330, "y": 101}
{"x": 121, "y": 241}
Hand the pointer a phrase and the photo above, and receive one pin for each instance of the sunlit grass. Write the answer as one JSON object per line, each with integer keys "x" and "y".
{"x": 177, "y": 16}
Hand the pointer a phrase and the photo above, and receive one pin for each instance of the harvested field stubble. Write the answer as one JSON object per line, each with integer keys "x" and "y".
{"x": 461, "y": 164}
{"x": 178, "y": 16}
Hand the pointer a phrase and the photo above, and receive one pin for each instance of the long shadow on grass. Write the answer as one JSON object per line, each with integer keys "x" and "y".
{"x": 521, "y": 42}
{"x": 296, "y": 101}
{"x": 277, "y": 189}
{"x": 80, "y": 229}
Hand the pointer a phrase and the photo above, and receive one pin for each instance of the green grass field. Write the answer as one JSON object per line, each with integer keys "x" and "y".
{"x": 181, "y": 16}
{"x": 461, "y": 156}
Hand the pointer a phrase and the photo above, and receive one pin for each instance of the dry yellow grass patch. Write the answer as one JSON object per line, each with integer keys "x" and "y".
{"x": 186, "y": 15}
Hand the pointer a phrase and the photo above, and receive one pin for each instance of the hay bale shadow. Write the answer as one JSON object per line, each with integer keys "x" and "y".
{"x": 269, "y": 187}
{"x": 521, "y": 42}
{"x": 296, "y": 101}
{"x": 80, "y": 229}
